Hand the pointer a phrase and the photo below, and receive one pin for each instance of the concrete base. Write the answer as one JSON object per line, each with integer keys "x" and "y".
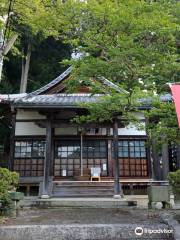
{"x": 85, "y": 202}
{"x": 141, "y": 200}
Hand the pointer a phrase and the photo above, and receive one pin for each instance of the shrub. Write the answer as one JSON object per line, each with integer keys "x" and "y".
{"x": 174, "y": 179}
{"x": 8, "y": 182}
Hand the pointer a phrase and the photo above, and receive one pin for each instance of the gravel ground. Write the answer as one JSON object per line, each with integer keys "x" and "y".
{"x": 88, "y": 216}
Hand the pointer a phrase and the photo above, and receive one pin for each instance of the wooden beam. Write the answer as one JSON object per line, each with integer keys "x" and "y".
{"x": 66, "y": 123}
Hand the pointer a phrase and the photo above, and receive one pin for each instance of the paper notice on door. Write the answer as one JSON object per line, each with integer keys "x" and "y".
{"x": 64, "y": 173}
{"x": 104, "y": 167}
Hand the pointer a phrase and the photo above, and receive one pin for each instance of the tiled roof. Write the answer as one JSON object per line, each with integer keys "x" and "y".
{"x": 70, "y": 100}
{"x": 11, "y": 97}
{"x": 57, "y": 100}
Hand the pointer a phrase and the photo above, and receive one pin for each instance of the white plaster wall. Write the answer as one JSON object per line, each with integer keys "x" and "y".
{"x": 26, "y": 114}
{"x": 28, "y": 129}
{"x": 130, "y": 130}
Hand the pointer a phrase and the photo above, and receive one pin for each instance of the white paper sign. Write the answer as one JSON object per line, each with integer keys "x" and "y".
{"x": 64, "y": 173}
{"x": 95, "y": 175}
{"x": 104, "y": 167}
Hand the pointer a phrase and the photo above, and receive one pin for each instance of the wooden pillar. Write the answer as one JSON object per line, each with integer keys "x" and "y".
{"x": 81, "y": 134}
{"x": 178, "y": 156}
{"x": 165, "y": 161}
{"x": 149, "y": 152}
{"x": 47, "y": 161}
{"x": 156, "y": 161}
{"x": 117, "y": 185}
{"x": 52, "y": 153}
{"x": 149, "y": 159}
{"x": 12, "y": 143}
{"x": 110, "y": 158}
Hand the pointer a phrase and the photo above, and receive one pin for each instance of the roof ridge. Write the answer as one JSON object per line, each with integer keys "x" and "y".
{"x": 52, "y": 83}
{"x": 63, "y": 75}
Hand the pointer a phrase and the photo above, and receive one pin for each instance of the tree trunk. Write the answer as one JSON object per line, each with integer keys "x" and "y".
{"x": 5, "y": 48}
{"x": 25, "y": 70}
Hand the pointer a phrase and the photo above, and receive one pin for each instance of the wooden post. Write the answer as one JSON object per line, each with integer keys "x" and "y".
{"x": 149, "y": 152}
{"x": 110, "y": 164}
{"x": 156, "y": 161}
{"x": 178, "y": 156}
{"x": 52, "y": 153}
{"x": 12, "y": 143}
{"x": 165, "y": 161}
{"x": 117, "y": 186}
{"x": 47, "y": 160}
{"x": 81, "y": 153}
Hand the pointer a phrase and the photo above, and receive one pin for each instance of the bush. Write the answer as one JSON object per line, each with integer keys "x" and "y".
{"x": 174, "y": 179}
{"x": 8, "y": 182}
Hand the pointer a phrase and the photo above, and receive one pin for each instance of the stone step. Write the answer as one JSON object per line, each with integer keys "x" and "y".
{"x": 82, "y": 231}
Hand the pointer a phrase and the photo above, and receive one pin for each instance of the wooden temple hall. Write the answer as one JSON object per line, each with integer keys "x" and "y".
{"x": 57, "y": 158}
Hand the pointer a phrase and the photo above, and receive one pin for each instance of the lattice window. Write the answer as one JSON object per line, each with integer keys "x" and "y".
{"x": 133, "y": 158}
{"x": 29, "y": 158}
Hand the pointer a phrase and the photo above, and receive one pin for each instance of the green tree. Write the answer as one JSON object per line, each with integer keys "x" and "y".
{"x": 28, "y": 19}
{"x": 135, "y": 45}
{"x": 8, "y": 181}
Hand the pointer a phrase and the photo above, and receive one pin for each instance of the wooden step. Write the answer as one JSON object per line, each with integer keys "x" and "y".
{"x": 82, "y": 189}
{"x": 93, "y": 183}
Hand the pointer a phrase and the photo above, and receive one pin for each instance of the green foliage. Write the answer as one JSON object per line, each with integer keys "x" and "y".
{"x": 174, "y": 179}
{"x": 126, "y": 41}
{"x": 8, "y": 181}
{"x": 134, "y": 44}
{"x": 109, "y": 107}
{"x": 162, "y": 122}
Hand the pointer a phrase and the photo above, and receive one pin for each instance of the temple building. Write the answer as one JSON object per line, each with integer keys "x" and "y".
{"x": 55, "y": 156}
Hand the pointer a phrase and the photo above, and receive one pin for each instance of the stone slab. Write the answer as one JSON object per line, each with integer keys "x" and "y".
{"x": 81, "y": 232}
